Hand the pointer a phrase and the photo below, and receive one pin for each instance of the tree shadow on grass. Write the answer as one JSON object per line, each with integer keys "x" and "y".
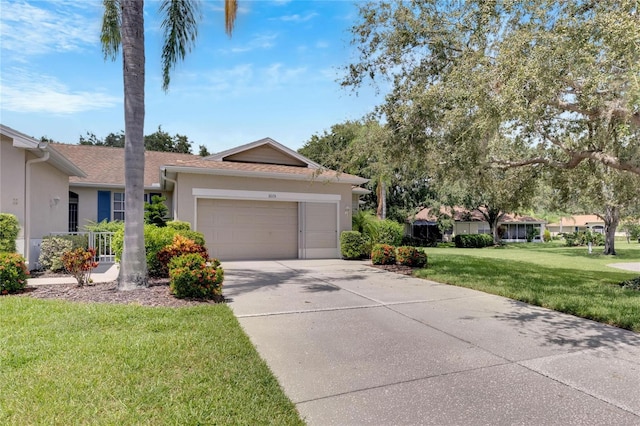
{"x": 567, "y": 331}
{"x": 588, "y": 294}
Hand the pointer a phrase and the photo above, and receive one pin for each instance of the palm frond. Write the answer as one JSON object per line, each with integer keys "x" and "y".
{"x": 230, "y": 11}
{"x": 110, "y": 36}
{"x": 180, "y": 25}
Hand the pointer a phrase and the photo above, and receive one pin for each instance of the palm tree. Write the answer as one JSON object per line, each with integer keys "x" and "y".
{"x": 123, "y": 26}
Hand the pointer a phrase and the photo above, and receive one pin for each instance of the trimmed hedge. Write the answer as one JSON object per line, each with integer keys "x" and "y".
{"x": 9, "y": 230}
{"x": 388, "y": 232}
{"x": 411, "y": 256}
{"x": 383, "y": 254}
{"x": 13, "y": 273}
{"x": 155, "y": 239}
{"x": 191, "y": 276}
{"x": 352, "y": 245}
{"x": 473, "y": 240}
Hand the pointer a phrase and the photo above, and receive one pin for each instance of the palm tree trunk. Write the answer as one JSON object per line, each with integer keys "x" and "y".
{"x": 133, "y": 266}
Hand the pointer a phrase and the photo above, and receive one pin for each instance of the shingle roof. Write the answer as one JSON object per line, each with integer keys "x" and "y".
{"x": 578, "y": 220}
{"x": 461, "y": 214}
{"x": 105, "y": 165}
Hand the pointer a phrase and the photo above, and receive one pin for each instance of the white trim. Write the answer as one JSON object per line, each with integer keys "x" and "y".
{"x": 307, "y": 177}
{"x": 228, "y": 194}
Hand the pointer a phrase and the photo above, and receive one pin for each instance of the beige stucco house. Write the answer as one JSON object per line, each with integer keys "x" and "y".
{"x": 515, "y": 228}
{"x": 34, "y": 186}
{"x": 580, "y": 222}
{"x": 257, "y": 201}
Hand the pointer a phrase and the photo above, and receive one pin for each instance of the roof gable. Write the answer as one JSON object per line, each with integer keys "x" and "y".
{"x": 264, "y": 151}
{"x": 42, "y": 150}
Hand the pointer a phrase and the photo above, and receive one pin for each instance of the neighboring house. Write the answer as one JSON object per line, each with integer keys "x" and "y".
{"x": 34, "y": 186}
{"x": 580, "y": 222}
{"x": 515, "y": 228}
{"x": 257, "y": 201}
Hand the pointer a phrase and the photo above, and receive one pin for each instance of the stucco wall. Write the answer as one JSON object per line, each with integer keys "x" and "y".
{"x": 49, "y": 209}
{"x": 186, "y": 182}
{"x": 12, "y": 162}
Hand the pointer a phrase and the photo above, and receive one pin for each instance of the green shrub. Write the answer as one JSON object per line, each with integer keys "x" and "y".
{"x": 155, "y": 239}
{"x": 411, "y": 256}
{"x": 582, "y": 238}
{"x": 9, "y": 230}
{"x": 546, "y": 236}
{"x": 156, "y": 212}
{"x": 473, "y": 240}
{"x": 389, "y": 232}
{"x": 179, "y": 225}
{"x": 383, "y": 254}
{"x": 51, "y": 250}
{"x": 632, "y": 284}
{"x": 79, "y": 263}
{"x": 13, "y": 273}
{"x": 190, "y": 276}
{"x": 180, "y": 245}
{"x": 352, "y": 245}
{"x": 408, "y": 240}
{"x": 105, "y": 226}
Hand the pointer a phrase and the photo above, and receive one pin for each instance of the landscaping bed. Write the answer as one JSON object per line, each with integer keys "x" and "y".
{"x": 157, "y": 294}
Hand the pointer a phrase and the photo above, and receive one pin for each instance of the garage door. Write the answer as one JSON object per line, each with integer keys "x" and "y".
{"x": 245, "y": 230}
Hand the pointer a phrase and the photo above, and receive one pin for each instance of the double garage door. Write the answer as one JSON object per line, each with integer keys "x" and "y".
{"x": 254, "y": 230}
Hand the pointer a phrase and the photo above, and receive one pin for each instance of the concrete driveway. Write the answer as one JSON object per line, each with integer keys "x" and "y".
{"x": 351, "y": 344}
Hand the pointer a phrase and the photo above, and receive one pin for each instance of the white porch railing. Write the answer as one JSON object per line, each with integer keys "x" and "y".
{"x": 101, "y": 241}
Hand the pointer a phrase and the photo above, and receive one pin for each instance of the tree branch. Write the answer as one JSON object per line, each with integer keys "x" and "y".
{"x": 575, "y": 158}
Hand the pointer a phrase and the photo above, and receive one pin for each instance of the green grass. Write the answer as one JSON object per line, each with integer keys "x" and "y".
{"x": 69, "y": 363}
{"x": 565, "y": 279}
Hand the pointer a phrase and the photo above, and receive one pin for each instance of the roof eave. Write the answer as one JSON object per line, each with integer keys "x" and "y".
{"x": 354, "y": 180}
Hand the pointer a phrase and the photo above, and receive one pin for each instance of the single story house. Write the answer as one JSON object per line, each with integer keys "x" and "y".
{"x": 261, "y": 200}
{"x": 34, "y": 186}
{"x": 580, "y": 222}
{"x": 515, "y": 228}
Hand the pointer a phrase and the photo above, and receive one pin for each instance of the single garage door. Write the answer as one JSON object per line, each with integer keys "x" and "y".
{"x": 245, "y": 230}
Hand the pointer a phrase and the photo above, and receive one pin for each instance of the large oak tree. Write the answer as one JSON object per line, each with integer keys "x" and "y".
{"x": 541, "y": 83}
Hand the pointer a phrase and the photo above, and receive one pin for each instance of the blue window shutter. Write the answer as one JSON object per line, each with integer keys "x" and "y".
{"x": 104, "y": 205}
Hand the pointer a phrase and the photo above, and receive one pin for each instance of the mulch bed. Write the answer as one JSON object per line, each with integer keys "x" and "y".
{"x": 157, "y": 294}
{"x": 398, "y": 269}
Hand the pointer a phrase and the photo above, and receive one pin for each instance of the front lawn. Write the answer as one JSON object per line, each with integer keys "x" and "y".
{"x": 71, "y": 363}
{"x": 565, "y": 279}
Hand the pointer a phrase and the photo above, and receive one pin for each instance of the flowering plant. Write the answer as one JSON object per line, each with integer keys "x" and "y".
{"x": 13, "y": 273}
{"x": 79, "y": 263}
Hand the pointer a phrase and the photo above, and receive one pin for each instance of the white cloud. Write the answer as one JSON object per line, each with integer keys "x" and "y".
{"x": 260, "y": 41}
{"x": 22, "y": 91}
{"x": 54, "y": 26}
{"x": 322, "y": 44}
{"x": 298, "y": 18}
{"x": 244, "y": 80}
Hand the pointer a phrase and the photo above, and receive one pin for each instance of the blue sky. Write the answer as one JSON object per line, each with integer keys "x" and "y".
{"x": 275, "y": 77}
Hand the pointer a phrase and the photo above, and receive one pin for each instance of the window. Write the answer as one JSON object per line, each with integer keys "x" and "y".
{"x": 484, "y": 228}
{"x": 73, "y": 212}
{"x": 118, "y": 206}
{"x": 148, "y": 197}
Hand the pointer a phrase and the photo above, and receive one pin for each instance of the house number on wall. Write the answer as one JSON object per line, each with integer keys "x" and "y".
{"x": 272, "y": 195}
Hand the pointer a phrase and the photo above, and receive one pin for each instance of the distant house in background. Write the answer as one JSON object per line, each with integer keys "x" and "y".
{"x": 34, "y": 186}
{"x": 580, "y": 222}
{"x": 515, "y": 228}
